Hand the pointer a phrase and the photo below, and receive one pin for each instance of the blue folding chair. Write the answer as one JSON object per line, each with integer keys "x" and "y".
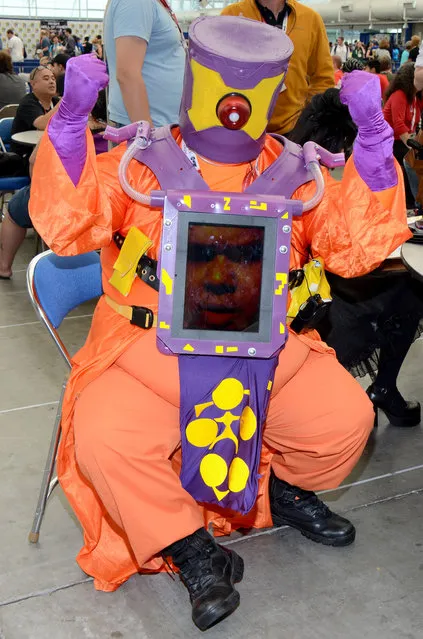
{"x": 56, "y": 286}
{"x": 8, "y": 184}
{"x": 6, "y": 133}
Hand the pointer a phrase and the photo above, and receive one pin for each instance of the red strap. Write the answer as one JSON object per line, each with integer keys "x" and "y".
{"x": 168, "y": 8}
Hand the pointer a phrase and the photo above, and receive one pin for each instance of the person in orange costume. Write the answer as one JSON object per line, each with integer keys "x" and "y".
{"x": 118, "y": 460}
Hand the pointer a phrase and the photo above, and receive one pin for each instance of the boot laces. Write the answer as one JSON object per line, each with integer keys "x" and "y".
{"x": 196, "y": 571}
{"x": 311, "y": 504}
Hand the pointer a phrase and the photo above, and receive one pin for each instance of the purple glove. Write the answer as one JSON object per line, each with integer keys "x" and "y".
{"x": 373, "y": 146}
{"x": 85, "y": 76}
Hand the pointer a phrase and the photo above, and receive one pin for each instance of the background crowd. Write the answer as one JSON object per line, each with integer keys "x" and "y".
{"x": 50, "y": 43}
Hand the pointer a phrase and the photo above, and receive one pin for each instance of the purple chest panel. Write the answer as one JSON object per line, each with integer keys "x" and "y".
{"x": 224, "y": 269}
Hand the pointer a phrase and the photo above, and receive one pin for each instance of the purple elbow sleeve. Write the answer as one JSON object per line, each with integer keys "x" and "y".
{"x": 67, "y": 133}
{"x": 373, "y": 156}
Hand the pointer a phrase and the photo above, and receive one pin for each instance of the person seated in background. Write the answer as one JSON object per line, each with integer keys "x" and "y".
{"x": 14, "y": 225}
{"x": 12, "y": 86}
{"x": 373, "y": 319}
{"x": 59, "y": 67}
{"x": 373, "y": 66}
{"x": 402, "y": 110}
{"x": 36, "y": 108}
{"x": 337, "y": 69}
{"x": 13, "y": 230}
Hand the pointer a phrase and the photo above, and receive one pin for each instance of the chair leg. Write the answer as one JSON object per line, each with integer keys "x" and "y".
{"x": 48, "y": 484}
{"x": 40, "y": 245}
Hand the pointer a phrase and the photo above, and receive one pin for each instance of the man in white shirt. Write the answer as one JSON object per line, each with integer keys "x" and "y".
{"x": 341, "y": 49}
{"x": 15, "y": 46}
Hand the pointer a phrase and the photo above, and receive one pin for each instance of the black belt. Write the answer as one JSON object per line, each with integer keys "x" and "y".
{"x": 146, "y": 268}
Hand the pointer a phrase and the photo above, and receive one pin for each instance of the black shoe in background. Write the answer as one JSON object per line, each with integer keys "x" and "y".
{"x": 303, "y": 510}
{"x": 209, "y": 572}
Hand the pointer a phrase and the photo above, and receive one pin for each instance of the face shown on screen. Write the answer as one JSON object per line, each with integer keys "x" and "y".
{"x": 223, "y": 277}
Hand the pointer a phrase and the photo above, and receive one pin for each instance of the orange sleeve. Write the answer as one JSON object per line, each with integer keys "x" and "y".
{"x": 76, "y": 219}
{"x": 353, "y": 229}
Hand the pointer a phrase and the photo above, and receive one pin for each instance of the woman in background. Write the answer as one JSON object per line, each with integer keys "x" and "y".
{"x": 402, "y": 110}
{"x": 12, "y": 87}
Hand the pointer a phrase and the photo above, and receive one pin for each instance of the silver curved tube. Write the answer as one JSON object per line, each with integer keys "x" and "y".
{"x": 316, "y": 171}
{"x": 131, "y": 151}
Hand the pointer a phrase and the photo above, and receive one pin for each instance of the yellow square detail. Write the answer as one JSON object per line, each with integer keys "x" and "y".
{"x": 167, "y": 282}
{"x": 282, "y": 278}
{"x": 125, "y": 267}
{"x": 164, "y": 325}
{"x": 258, "y": 206}
{"x": 219, "y": 349}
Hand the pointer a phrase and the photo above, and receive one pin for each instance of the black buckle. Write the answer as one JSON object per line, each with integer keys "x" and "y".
{"x": 310, "y": 313}
{"x": 142, "y": 317}
{"x": 147, "y": 271}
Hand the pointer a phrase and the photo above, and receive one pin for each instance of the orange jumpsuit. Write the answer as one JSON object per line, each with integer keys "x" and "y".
{"x": 118, "y": 457}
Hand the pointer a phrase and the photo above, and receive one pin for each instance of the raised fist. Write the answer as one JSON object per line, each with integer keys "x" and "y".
{"x": 360, "y": 92}
{"x": 85, "y": 76}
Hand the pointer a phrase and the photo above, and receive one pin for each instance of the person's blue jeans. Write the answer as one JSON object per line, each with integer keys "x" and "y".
{"x": 18, "y": 208}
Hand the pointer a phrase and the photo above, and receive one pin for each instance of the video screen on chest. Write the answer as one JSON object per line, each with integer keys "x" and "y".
{"x": 224, "y": 269}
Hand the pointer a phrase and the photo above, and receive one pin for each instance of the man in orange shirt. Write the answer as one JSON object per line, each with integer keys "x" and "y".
{"x": 310, "y": 67}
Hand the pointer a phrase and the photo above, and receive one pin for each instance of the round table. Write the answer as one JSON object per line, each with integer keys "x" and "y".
{"x": 30, "y": 138}
{"x": 412, "y": 256}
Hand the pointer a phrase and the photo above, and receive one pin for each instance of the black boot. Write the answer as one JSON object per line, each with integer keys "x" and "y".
{"x": 396, "y": 408}
{"x": 302, "y": 509}
{"x": 209, "y": 571}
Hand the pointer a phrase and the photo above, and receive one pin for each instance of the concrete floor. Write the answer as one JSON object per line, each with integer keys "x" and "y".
{"x": 293, "y": 588}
